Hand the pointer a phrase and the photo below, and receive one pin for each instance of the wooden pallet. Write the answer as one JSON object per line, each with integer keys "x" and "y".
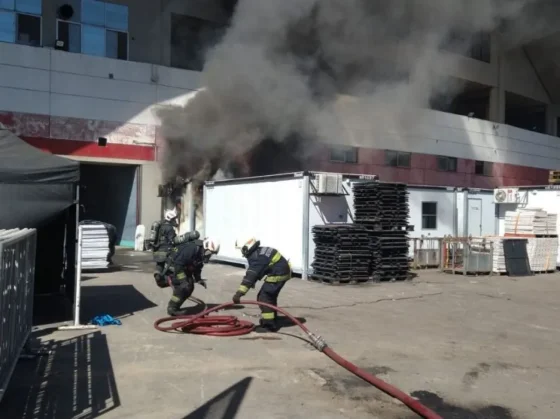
{"x": 328, "y": 281}
{"x": 554, "y": 177}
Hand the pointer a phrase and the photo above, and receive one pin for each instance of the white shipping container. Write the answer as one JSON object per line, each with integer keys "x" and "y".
{"x": 281, "y": 211}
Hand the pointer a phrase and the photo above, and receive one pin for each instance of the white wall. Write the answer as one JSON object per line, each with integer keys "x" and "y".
{"x": 439, "y": 133}
{"x": 444, "y": 201}
{"x": 56, "y": 83}
{"x": 269, "y": 209}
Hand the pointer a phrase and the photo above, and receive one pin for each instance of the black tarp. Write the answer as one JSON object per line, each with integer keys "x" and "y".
{"x": 37, "y": 190}
{"x": 35, "y": 186}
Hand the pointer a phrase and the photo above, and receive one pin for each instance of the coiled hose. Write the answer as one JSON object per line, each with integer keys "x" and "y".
{"x": 202, "y": 324}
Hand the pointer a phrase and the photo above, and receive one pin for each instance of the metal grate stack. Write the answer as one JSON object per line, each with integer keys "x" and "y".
{"x": 342, "y": 254}
{"x": 382, "y": 209}
{"x": 95, "y": 247}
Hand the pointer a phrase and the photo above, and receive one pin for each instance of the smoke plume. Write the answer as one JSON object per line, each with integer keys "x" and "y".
{"x": 273, "y": 83}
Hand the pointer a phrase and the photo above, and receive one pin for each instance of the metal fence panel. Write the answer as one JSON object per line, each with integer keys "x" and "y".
{"x": 17, "y": 275}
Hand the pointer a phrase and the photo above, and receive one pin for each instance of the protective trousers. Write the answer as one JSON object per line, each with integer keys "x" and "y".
{"x": 269, "y": 294}
{"x": 159, "y": 275}
{"x": 183, "y": 287}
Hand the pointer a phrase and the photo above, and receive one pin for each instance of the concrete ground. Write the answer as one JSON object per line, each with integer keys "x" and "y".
{"x": 469, "y": 347}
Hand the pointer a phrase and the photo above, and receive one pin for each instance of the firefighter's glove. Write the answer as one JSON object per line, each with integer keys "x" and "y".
{"x": 237, "y": 297}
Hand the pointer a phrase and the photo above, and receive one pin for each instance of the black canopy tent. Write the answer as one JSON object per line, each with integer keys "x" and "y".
{"x": 39, "y": 190}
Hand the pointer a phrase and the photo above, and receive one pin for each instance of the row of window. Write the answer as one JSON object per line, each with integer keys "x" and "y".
{"x": 393, "y": 158}
{"x": 101, "y": 29}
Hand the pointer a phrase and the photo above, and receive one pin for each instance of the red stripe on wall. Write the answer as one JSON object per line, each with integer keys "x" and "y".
{"x": 89, "y": 149}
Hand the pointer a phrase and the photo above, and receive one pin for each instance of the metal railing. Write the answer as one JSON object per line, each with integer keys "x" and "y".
{"x": 425, "y": 252}
{"x": 467, "y": 255}
{"x": 17, "y": 276}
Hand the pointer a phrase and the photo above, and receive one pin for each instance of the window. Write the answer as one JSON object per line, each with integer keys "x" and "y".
{"x": 343, "y": 154}
{"x": 447, "y": 164}
{"x": 429, "y": 215}
{"x": 191, "y": 39}
{"x": 116, "y": 45}
{"x": 93, "y": 40}
{"x": 103, "y": 31}
{"x": 483, "y": 168}
{"x": 71, "y": 34}
{"x": 397, "y": 158}
{"x": 20, "y": 22}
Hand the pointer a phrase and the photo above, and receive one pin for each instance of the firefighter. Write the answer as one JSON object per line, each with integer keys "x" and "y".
{"x": 267, "y": 263}
{"x": 184, "y": 268}
{"x": 163, "y": 244}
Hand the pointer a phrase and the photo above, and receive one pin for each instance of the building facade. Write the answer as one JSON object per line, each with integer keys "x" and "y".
{"x": 81, "y": 78}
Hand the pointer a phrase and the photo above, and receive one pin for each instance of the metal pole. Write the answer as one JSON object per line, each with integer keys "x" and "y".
{"x": 455, "y": 215}
{"x": 78, "y": 273}
{"x": 78, "y": 288}
{"x": 192, "y": 209}
{"x": 466, "y": 213}
{"x": 305, "y": 229}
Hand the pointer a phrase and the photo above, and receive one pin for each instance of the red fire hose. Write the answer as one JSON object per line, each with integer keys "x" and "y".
{"x": 202, "y": 324}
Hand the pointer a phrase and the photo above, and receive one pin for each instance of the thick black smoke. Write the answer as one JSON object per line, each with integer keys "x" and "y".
{"x": 272, "y": 82}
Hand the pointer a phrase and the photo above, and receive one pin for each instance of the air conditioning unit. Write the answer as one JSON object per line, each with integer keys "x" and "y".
{"x": 328, "y": 183}
{"x": 506, "y": 196}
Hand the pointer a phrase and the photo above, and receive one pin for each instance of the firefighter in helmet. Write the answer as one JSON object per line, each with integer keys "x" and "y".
{"x": 184, "y": 268}
{"x": 163, "y": 243}
{"x": 267, "y": 263}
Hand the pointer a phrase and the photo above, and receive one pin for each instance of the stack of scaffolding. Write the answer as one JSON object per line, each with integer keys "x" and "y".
{"x": 539, "y": 228}
{"x": 382, "y": 209}
{"x": 342, "y": 254}
{"x": 95, "y": 247}
{"x": 530, "y": 221}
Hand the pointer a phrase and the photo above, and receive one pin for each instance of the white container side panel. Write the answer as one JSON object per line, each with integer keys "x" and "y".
{"x": 270, "y": 210}
{"x": 328, "y": 210}
{"x": 444, "y": 212}
{"x": 548, "y": 201}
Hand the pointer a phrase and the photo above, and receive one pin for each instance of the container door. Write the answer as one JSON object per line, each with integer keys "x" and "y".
{"x": 475, "y": 217}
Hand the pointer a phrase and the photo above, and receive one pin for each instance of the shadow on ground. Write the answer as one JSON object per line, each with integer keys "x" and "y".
{"x": 74, "y": 380}
{"x": 115, "y": 300}
{"x": 450, "y": 411}
{"x": 225, "y": 405}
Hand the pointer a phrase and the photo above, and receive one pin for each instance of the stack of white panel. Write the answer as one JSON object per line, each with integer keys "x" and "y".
{"x": 542, "y": 252}
{"x": 551, "y": 220}
{"x": 498, "y": 258}
{"x": 530, "y": 221}
{"x": 95, "y": 246}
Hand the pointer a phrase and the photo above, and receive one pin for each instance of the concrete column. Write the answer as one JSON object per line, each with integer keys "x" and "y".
{"x": 552, "y": 114}
{"x": 150, "y": 204}
{"x": 497, "y": 111}
{"x": 497, "y": 105}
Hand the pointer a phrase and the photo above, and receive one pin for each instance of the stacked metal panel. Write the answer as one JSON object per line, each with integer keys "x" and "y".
{"x": 538, "y": 227}
{"x": 96, "y": 251}
{"x": 342, "y": 254}
{"x": 530, "y": 221}
{"x": 382, "y": 209}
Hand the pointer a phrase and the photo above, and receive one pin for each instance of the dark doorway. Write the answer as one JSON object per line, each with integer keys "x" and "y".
{"x": 109, "y": 193}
